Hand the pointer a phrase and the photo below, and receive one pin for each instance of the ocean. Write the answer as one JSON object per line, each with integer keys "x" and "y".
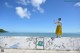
{"x": 40, "y": 34}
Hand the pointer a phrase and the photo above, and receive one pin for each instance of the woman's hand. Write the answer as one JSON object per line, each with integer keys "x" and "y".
{"x": 54, "y": 21}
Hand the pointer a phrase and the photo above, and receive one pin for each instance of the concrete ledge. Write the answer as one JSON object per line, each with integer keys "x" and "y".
{"x": 35, "y": 51}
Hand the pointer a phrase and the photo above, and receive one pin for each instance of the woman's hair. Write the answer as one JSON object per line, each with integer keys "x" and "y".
{"x": 59, "y": 19}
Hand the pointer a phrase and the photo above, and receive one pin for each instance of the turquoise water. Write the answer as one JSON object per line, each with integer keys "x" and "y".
{"x": 40, "y": 34}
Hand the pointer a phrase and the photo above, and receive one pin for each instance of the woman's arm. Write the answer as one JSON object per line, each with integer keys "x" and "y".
{"x": 54, "y": 21}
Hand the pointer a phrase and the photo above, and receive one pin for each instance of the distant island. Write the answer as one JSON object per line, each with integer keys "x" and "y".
{"x": 2, "y": 30}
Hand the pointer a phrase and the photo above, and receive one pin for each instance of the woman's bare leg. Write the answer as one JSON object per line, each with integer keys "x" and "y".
{"x": 57, "y": 36}
{"x": 60, "y": 36}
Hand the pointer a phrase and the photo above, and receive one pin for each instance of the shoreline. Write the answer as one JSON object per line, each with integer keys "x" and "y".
{"x": 39, "y": 34}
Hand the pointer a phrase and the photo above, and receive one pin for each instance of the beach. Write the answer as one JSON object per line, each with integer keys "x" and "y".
{"x": 16, "y": 44}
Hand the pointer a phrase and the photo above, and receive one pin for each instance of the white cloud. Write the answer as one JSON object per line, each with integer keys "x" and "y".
{"x": 37, "y": 4}
{"x": 34, "y": 10}
{"x": 23, "y": 2}
{"x": 23, "y": 12}
{"x": 77, "y": 4}
{"x": 7, "y": 5}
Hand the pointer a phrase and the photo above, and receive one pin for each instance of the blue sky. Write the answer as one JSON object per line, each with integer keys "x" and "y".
{"x": 38, "y": 15}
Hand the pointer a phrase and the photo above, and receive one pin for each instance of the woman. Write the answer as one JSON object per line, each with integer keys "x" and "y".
{"x": 58, "y": 28}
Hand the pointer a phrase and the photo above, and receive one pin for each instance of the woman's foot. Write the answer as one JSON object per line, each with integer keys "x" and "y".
{"x": 57, "y": 36}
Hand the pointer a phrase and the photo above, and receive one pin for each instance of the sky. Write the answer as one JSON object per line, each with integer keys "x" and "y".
{"x": 38, "y": 15}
